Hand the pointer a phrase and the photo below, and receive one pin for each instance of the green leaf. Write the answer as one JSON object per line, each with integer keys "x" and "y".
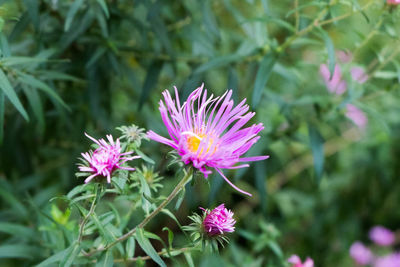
{"x": 103, "y": 232}
{"x": 4, "y": 46}
{"x": 53, "y": 259}
{"x": 209, "y": 20}
{"x": 189, "y": 259}
{"x": 19, "y": 251}
{"x": 17, "y": 230}
{"x": 170, "y": 236}
{"x": 36, "y": 104}
{"x": 181, "y": 197}
{"x": 153, "y": 72}
{"x": 1, "y": 117}
{"x": 331, "y": 51}
{"x": 13, "y": 61}
{"x": 71, "y": 13}
{"x": 317, "y": 149}
{"x": 32, "y": 81}
{"x": 12, "y": 96}
{"x": 106, "y": 260}
{"x": 32, "y": 7}
{"x": 17, "y": 206}
{"x": 144, "y": 157}
{"x": 130, "y": 247}
{"x": 217, "y": 62}
{"x": 103, "y": 5}
{"x": 260, "y": 175}
{"x": 145, "y": 244}
{"x": 262, "y": 76}
{"x": 70, "y": 255}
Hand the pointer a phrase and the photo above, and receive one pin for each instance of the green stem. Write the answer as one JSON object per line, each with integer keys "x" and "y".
{"x": 144, "y": 258}
{"x": 174, "y": 193}
{"x": 91, "y": 210}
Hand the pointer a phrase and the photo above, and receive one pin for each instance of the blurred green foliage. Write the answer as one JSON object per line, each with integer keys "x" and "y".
{"x": 67, "y": 67}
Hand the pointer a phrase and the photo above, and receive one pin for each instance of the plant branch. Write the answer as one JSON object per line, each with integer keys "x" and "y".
{"x": 85, "y": 219}
{"x": 144, "y": 258}
{"x": 174, "y": 193}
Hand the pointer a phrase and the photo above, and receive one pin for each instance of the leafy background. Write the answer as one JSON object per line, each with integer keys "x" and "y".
{"x": 69, "y": 67}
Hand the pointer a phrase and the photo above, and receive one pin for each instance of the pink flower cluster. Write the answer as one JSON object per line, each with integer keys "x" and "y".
{"x": 105, "y": 159}
{"x": 296, "y": 262}
{"x": 218, "y": 221}
{"x": 336, "y": 84}
{"x": 393, "y": 2}
{"x": 363, "y": 255}
{"x": 207, "y": 132}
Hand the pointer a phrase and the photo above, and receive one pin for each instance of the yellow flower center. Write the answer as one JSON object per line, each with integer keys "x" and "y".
{"x": 193, "y": 143}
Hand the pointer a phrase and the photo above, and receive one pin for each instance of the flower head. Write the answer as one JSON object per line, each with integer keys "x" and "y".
{"x": 335, "y": 84}
{"x": 207, "y": 132}
{"x": 133, "y": 134}
{"x": 382, "y": 236}
{"x": 356, "y": 115}
{"x": 105, "y": 159}
{"x": 296, "y": 261}
{"x": 358, "y": 74}
{"x": 218, "y": 221}
{"x": 361, "y": 254}
{"x": 391, "y": 260}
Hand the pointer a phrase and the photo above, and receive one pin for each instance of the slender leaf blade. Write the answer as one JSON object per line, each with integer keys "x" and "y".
{"x": 262, "y": 76}
{"x": 145, "y": 244}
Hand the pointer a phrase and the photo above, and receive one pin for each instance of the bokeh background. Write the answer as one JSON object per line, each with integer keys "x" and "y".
{"x": 69, "y": 67}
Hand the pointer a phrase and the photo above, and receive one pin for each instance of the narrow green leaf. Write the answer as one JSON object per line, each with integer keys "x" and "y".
{"x": 130, "y": 247}
{"x": 331, "y": 51}
{"x": 100, "y": 225}
{"x": 17, "y": 230}
{"x": 8, "y": 197}
{"x": 100, "y": 51}
{"x": 189, "y": 259}
{"x": 181, "y": 197}
{"x": 1, "y": 117}
{"x": 71, "y": 13}
{"x": 153, "y": 72}
{"x": 107, "y": 260}
{"x": 103, "y": 5}
{"x": 12, "y": 61}
{"x": 36, "y": 104}
{"x": 144, "y": 157}
{"x": 145, "y": 244}
{"x": 53, "y": 259}
{"x": 209, "y": 20}
{"x": 170, "y": 236}
{"x": 317, "y": 149}
{"x": 12, "y": 96}
{"x": 32, "y": 81}
{"x": 217, "y": 62}
{"x": 4, "y": 46}
{"x": 70, "y": 255}
{"x": 19, "y": 251}
{"x": 262, "y": 76}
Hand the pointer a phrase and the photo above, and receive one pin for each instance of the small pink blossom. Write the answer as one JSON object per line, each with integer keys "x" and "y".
{"x": 382, "y": 236}
{"x": 356, "y": 115}
{"x": 296, "y": 261}
{"x": 361, "y": 254}
{"x": 207, "y": 131}
{"x": 344, "y": 56}
{"x": 358, "y": 74}
{"x": 393, "y": 2}
{"x": 391, "y": 260}
{"x": 105, "y": 159}
{"x": 335, "y": 84}
{"x": 219, "y": 221}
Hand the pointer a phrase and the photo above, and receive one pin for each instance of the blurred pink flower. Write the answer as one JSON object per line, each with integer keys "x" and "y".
{"x": 391, "y": 260}
{"x": 361, "y": 254}
{"x": 296, "y": 261}
{"x": 356, "y": 115}
{"x": 218, "y": 221}
{"x": 207, "y": 131}
{"x": 393, "y": 2}
{"x": 336, "y": 84}
{"x": 381, "y": 236}
{"x": 105, "y": 159}
{"x": 358, "y": 74}
{"x": 344, "y": 56}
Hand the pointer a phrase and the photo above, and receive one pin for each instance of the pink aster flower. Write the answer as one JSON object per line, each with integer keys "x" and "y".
{"x": 382, "y": 236}
{"x": 391, "y": 260}
{"x": 207, "y": 132}
{"x": 335, "y": 84}
{"x": 218, "y": 221}
{"x": 356, "y": 115}
{"x": 296, "y": 261}
{"x": 393, "y": 2}
{"x": 358, "y": 74}
{"x": 361, "y": 254}
{"x": 105, "y": 159}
